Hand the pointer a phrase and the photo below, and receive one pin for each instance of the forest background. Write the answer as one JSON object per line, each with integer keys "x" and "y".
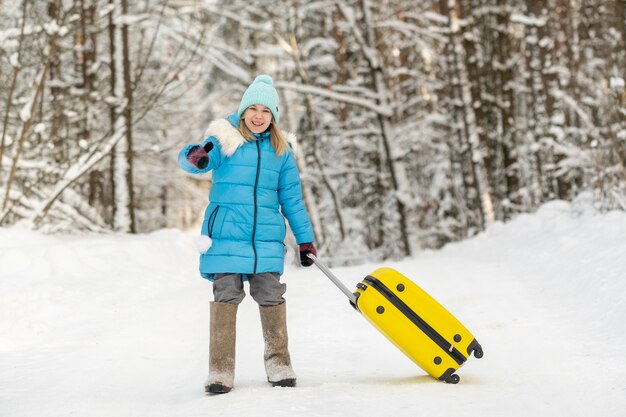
{"x": 418, "y": 122}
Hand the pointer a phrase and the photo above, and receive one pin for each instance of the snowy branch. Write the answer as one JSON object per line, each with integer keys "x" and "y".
{"x": 84, "y": 164}
{"x": 328, "y": 94}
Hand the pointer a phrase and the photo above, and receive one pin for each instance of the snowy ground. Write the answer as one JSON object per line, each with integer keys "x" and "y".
{"x": 117, "y": 326}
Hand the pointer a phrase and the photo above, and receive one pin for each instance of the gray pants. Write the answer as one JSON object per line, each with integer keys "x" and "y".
{"x": 266, "y": 289}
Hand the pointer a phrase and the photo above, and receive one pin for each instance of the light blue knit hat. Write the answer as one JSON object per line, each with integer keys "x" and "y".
{"x": 261, "y": 91}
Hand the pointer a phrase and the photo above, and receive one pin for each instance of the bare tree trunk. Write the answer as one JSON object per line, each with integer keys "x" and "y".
{"x": 123, "y": 218}
{"x": 128, "y": 119}
{"x": 474, "y": 171}
{"x": 507, "y": 135}
{"x": 395, "y": 168}
{"x": 56, "y": 98}
{"x": 620, "y": 11}
{"x": 462, "y": 182}
{"x": 620, "y": 114}
{"x": 472, "y": 134}
{"x": 535, "y": 86}
{"x": 28, "y": 117}
{"x": 85, "y": 56}
{"x": 16, "y": 70}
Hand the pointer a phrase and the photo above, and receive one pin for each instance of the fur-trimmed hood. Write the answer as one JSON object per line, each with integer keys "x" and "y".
{"x": 226, "y": 133}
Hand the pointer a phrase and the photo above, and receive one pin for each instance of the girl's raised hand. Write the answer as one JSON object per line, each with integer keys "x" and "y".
{"x": 198, "y": 155}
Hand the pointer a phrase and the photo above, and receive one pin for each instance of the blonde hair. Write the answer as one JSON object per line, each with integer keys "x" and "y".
{"x": 277, "y": 139}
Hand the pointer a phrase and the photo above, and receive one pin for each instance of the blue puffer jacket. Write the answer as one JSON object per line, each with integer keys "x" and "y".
{"x": 250, "y": 184}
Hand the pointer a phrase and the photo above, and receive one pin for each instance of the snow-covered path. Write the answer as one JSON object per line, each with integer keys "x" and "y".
{"x": 117, "y": 326}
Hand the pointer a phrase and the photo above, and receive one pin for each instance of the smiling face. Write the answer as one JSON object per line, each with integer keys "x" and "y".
{"x": 257, "y": 118}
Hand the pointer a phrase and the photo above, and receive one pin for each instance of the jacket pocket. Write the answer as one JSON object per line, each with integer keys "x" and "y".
{"x": 215, "y": 223}
{"x": 210, "y": 223}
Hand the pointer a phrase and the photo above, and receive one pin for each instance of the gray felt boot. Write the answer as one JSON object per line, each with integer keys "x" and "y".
{"x": 277, "y": 359}
{"x": 222, "y": 348}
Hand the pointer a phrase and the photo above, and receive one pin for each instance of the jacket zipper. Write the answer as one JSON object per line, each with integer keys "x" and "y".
{"x": 256, "y": 184}
{"x": 439, "y": 340}
{"x": 209, "y": 225}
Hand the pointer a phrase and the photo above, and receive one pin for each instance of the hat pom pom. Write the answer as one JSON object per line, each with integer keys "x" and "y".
{"x": 263, "y": 78}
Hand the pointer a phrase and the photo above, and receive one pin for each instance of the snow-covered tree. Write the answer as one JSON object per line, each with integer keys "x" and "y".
{"x": 417, "y": 123}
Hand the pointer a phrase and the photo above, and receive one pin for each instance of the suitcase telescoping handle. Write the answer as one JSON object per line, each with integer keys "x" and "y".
{"x": 333, "y": 278}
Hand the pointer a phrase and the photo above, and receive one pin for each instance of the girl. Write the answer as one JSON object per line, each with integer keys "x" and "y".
{"x": 254, "y": 175}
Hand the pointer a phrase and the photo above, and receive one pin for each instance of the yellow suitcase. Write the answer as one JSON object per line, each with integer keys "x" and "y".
{"x": 413, "y": 321}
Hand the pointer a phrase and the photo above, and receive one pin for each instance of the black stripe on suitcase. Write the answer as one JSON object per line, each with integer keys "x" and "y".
{"x": 421, "y": 324}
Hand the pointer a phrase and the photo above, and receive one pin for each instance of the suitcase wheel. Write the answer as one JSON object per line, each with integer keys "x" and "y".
{"x": 476, "y": 349}
{"x": 453, "y": 379}
{"x": 478, "y": 352}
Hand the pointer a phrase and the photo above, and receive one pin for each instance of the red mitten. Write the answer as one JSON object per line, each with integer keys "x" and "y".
{"x": 305, "y": 249}
{"x": 198, "y": 155}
